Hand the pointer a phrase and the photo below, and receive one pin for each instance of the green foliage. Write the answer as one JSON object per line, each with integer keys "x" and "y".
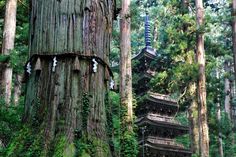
{"x": 182, "y": 118}
{"x": 183, "y": 140}
{"x": 10, "y": 121}
{"x": 87, "y": 146}
{"x": 26, "y": 143}
{"x": 4, "y": 58}
{"x": 128, "y": 139}
{"x": 129, "y": 144}
{"x": 115, "y": 103}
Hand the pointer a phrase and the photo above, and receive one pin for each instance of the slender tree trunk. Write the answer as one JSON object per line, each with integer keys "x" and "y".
{"x": 155, "y": 34}
{"x": 232, "y": 108}
{"x": 234, "y": 39}
{"x": 220, "y": 141}
{"x": 128, "y": 142}
{"x": 218, "y": 115}
{"x": 202, "y": 106}
{"x": 8, "y": 45}
{"x": 234, "y": 32}
{"x": 17, "y": 89}
{"x": 193, "y": 119}
{"x": 125, "y": 62}
{"x": 192, "y": 90}
{"x": 227, "y": 91}
{"x": 65, "y": 96}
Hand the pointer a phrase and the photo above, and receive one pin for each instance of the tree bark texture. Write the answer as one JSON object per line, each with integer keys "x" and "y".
{"x": 192, "y": 90}
{"x": 234, "y": 32}
{"x": 202, "y": 106}
{"x": 65, "y": 101}
{"x": 193, "y": 119}
{"x": 227, "y": 91}
{"x": 220, "y": 140}
{"x": 218, "y": 115}
{"x": 125, "y": 61}
{"x": 8, "y": 45}
{"x": 155, "y": 34}
{"x": 17, "y": 88}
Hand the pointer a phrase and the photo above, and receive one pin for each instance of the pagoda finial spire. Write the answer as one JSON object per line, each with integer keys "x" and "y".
{"x": 147, "y": 31}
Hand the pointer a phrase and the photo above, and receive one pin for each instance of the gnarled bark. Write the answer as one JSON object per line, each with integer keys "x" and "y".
{"x": 66, "y": 101}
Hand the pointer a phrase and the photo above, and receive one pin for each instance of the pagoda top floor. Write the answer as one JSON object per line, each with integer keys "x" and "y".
{"x": 143, "y": 60}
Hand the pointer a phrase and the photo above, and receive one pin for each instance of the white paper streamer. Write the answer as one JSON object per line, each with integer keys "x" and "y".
{"x": 95, "y": 63}
{"x": 54, "y": 64}
{"x": 28, "y": 68}
{"x": 112, "y": 84}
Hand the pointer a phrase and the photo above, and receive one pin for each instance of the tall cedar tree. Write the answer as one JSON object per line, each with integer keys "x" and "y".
{"x": 128, "y": 145}
{"x": 64, "y": 96}
{"x": 234, "y": 32}
{"x": 7, "y": 46}
{"x": 218, "y": 115}
{"x": 125, "y": 62}
{"x": 192, "y": 90}
{"x": 202, "y": 106}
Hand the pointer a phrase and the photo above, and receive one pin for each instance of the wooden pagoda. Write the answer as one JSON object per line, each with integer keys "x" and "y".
{"x": 155, "y": 112}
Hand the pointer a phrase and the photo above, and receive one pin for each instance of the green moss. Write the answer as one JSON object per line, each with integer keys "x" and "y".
{"x": 90, "y": 146}
{"x": 69, "y": 150}
{"x": 4, "y": 58}
{"x": 60, "y": 144}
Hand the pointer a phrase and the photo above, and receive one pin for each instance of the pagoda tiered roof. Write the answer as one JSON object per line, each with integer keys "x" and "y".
{"x": 147, "y": 52}
{"x": 157, "y": 103}
{"x": 163, "y": 146}
{"x": 158, "y": 118}
{"x": 162, "y": 125}
{"x": 155, "y": 112}
{"x": 162, "y": 98}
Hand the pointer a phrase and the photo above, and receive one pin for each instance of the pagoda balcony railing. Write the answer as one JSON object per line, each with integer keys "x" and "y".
{"x": 163, "y": 141}
{"x": 157, "y": 117}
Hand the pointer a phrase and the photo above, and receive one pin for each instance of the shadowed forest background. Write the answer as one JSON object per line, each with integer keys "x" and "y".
{"x": 26, "y": 125}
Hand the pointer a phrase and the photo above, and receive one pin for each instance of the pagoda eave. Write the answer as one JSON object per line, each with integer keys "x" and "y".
{"x": 162, "y": 98}
{"x": 164, "y": 149}
{"x": 146, "y": 52}
{"x": 145, "y": 122}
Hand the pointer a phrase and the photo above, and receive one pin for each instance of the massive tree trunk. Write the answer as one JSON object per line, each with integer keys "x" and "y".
{"x": 202, "y": 106}
{"x": 7, "y": 46}
{"x": 66, "y": 87}
{"x": 125, "y": 62}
